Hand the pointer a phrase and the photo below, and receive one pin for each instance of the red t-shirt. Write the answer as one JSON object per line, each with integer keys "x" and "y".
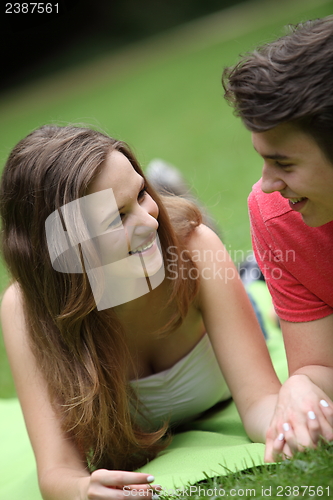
{"x": 296, "y": 260}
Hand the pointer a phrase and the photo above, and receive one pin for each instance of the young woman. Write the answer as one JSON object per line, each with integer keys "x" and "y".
{"x": 92, "y": 338}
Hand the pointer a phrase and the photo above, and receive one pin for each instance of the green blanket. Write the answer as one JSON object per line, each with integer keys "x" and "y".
{"x": 214, "y": 444}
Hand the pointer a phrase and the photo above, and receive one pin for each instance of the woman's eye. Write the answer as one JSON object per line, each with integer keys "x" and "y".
{"x": 142, "y": 194}
{"x": 120, "y": 217}
{"x": 117, "y": 221}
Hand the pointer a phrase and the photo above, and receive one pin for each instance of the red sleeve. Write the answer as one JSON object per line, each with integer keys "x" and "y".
{"x": 292, "y": 300}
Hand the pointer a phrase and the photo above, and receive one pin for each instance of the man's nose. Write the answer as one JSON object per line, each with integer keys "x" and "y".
{"x": 271, "y": 179}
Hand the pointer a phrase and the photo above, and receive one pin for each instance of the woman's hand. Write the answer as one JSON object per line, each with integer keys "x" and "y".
{"x": 303, "y": 415}
{"x": 117, "y": 484}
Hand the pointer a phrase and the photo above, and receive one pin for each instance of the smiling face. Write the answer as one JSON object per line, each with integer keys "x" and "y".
{"x": 295, "y": 166}
{"x": 123, "y": 216}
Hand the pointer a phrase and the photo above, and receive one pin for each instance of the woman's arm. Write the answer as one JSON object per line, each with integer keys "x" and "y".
{"x": 245, "y": 362}
{"x": 235, "y": 334}
{"x": 62, "y": 471}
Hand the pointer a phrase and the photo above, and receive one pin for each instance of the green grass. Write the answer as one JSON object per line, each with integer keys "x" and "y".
{"x": 164, "y": 97}
{"x": 307, "y": 475}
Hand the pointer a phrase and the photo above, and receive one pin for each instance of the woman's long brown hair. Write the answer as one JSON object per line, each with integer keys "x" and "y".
{"x": 82, "y": 352}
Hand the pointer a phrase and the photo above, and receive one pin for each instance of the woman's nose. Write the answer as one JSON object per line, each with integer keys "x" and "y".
{"x": 271, "y": 179}
{"x": 146, "y": 214}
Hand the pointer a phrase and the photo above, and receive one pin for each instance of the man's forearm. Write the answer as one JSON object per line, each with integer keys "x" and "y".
{"x": 322, "y": 376}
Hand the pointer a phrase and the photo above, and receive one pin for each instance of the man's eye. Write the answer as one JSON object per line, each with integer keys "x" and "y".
{"x": 283, "y": 165}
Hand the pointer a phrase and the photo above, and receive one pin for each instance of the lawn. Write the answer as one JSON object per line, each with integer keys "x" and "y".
{"x": 308, "y": 475}
{"x": 164, "y": 97}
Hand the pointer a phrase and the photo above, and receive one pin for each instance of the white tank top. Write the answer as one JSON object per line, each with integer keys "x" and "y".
{"x": 184, "y": 391}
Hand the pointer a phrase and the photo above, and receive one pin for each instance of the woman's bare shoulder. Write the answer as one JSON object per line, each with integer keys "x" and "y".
{"x": 12, "y": 315}
{"x": 203, "y": 238}
{"x": 12, "y": 294}
{"x": 11, "y": 298}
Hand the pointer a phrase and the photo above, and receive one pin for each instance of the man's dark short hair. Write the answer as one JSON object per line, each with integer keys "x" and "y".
{"x": 288, "y": 80}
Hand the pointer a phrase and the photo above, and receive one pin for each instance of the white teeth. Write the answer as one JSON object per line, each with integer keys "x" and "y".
{"x": 142, "y": 248}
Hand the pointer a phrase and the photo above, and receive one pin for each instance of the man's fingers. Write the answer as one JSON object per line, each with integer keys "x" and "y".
{"x": 276, "y": 449}
{"x": 269, "y": 451}
{"x": 289, "y": 437}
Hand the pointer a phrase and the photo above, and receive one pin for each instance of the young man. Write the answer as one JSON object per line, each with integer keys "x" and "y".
{"x": 283, "y": 92}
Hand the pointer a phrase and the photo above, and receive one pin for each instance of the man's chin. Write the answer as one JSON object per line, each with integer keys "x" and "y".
{"x": 316, "y": 221}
